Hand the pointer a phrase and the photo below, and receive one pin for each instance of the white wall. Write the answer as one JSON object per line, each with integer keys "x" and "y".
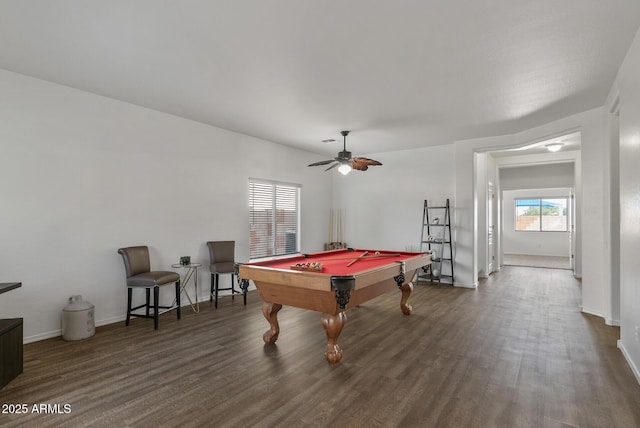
{"x": 629, "y": 86}
{"x": 545, "y": 176}
{"x": 82, "y": 175}
{"x": 596, "y": 285}
{"x": 383, "y": 206}
{"x": 613, "y": 202}
{"x": 532, "y": 243}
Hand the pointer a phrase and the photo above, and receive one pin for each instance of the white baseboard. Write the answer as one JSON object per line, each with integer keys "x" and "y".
{"x": 627, "y": 357}
{"x": 42, "y": 336}
{"x": 592, "y": 312}
{"x": 473, "y": 286}
{"x": 111, "y": 320}
{"x": 607, "y": 321}
{"x": 612, "y": 322}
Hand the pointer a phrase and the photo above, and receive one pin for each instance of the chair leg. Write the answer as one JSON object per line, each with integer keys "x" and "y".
{"x": 129, "y": 293}
{"x": 148, "y": 291}
{"x": 178, "y": 298}
{"x": 217, "y": 279}
{"x": 211, "y": 291}
{"x": 233, "y": 289}
{"x": 156, "y": 297}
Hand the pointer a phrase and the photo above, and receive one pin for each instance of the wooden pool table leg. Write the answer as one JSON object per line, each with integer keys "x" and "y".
{"x": 333, "y": 325}
{"x": 270, "y": 312}
{"x": 406, "y": 292}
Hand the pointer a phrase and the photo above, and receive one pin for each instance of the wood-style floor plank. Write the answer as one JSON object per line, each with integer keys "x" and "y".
{"x": 516, "y": 352}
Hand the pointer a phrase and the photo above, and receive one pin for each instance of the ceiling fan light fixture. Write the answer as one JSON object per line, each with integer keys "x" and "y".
{"x": 344, "y": 168}
{"x": 554, "y": 147}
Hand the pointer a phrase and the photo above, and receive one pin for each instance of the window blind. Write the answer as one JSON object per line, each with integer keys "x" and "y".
{"x": 273, "y": 218}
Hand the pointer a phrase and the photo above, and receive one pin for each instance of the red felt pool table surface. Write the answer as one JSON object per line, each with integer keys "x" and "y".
{"x": 336, "y": 262}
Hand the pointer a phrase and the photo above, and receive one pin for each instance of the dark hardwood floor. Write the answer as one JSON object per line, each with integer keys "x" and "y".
{"x": 514, "y": 353}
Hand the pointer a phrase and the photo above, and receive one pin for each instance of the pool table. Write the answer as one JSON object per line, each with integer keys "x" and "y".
{"x": 348, "y": 277}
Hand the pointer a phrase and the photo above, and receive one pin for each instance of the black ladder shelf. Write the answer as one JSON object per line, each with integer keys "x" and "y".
{"x": 436, "y": 238}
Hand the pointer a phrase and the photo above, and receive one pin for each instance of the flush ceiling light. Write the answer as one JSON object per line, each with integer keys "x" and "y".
{"x": 554, "y": 147}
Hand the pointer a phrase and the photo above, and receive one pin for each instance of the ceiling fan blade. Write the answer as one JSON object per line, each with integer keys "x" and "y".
{"x": 332, "y": 166}
{"x": 362, "y": 164}
{"x": 322, "y": 162}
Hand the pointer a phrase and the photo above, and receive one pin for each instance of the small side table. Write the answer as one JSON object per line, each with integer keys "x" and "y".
{"x": 191, "y": 272}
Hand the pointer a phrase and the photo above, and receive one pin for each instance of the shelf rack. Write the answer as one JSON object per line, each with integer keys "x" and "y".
{"x": 436, "y": 238}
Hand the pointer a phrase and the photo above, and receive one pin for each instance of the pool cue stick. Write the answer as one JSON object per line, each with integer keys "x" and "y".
{"x": 356, "y": 259}
{"x": 341, "y": 217}
{"x": 338, "y": 239}
{"x": 351, "y": 258}
{"x": 340, "y": 226}
{"x": 330, "y": 226}
{"x": 333, "y": 225}
{"x": 334, "y": 238}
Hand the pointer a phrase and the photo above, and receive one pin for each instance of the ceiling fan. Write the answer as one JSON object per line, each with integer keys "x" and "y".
{"x": 345, "y": 162}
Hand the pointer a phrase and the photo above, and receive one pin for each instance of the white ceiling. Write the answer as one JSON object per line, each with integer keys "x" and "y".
{"x": 400, "y": 74}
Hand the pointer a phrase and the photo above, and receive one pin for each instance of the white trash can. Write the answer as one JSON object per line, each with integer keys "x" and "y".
{"x": 78, "y": 319}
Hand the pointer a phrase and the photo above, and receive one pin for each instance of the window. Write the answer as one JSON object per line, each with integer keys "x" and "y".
{"x": 541, "y": 215}
{"x": 273, "y": 218}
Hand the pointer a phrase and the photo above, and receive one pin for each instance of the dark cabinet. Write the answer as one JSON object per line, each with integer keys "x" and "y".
{"x": 10, "y": 342}
{"x": 10, "y": 349}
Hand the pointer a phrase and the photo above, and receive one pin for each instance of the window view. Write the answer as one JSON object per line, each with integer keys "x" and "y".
{"x": 273, "y": 218}
{"x": 541, "y": 215}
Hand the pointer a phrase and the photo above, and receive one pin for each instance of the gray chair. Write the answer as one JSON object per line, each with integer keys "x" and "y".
{"x": 222, "y": 256}
{"x": 140, "y": 275}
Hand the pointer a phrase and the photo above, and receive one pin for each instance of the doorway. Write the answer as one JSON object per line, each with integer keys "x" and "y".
{"x": 532, "y": 166}
{"x": 537, "y": 227}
